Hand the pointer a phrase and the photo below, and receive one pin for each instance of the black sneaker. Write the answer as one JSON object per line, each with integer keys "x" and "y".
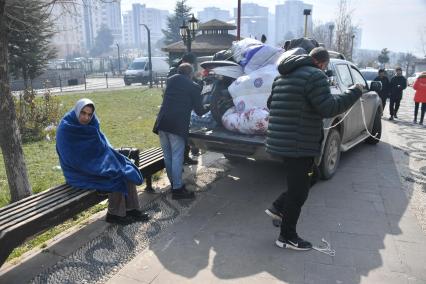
{"x": 274, "y": 213}
{"x": 114, "y": 219}
{"x": 395, "y": 116}
{"x": 138, "y": 215}
{"x": 391, "y": 117}
{"x": 182, "y": 193}
{"x": 189, "y": 161}
{"x": 296, "y": 243}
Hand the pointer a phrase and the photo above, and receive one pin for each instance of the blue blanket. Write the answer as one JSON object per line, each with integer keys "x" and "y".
{"x": 88, "y": 160}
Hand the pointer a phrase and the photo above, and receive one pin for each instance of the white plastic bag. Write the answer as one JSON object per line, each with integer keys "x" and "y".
{"x": 252, "y": 121}
{"x": 259, "y": 81}
{"x": 239, "y": 48}
{"x": 243, "y": 103}
{"x": 264, "y": 56}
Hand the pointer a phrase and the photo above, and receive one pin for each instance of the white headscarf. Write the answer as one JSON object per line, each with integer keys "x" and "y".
{"x": 80, "y": 104}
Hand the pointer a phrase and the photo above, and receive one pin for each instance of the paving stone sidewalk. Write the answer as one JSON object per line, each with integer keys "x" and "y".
{"x": 369, "y": 212}
{"x": 366, "y": 212}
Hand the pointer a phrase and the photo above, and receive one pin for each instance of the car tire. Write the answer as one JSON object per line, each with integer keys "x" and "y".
{"x": 331, "y": 157}
{"x": 127, "y": 83}
{"x": 377, "y": 129}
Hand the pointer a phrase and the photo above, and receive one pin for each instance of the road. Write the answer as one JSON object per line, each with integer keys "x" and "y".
{"x": 372, "y": 212}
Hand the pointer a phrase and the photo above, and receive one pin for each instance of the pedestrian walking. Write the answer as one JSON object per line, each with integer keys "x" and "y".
{"x": 420, "y": 97}
{"x": 398, "y": 84}
{"x": 182, "y": 95}
{"x": 384, "y": 92}
{"x": 299, "y": 101}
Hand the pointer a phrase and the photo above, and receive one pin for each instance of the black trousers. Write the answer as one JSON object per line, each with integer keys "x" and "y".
{"x": 383, "y": 98}
{"x": 394, "y": 105}
{"x": 422, "y": 111}
{"x": 299, "y": 172}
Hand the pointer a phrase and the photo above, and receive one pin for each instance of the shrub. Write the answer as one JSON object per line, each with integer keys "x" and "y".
{"x": 38, "y": 115}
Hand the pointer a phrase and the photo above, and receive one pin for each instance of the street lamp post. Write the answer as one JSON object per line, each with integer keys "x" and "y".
{"x": 118, "y": 55}
{"x": 352, "y": 46}
{"x": 187, "y": 33}
{"x": 306, "y": 12}
{"x": 149, "y": 54}
{"x": 331, "y": 28}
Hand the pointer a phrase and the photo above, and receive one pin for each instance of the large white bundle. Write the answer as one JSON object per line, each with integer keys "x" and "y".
{"x": 264, "y": 56}
{"x": 257, "y": 82}
{"x": 253, "y": 121}
{"x": 243, "y": 103}
{"x": 239, "y": 48}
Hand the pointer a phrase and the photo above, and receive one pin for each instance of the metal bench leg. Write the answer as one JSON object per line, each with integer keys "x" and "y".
{"x": 148, "y": 181}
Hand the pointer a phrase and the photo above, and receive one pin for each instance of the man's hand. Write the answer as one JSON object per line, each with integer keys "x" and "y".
{"x": 359, "y": 86}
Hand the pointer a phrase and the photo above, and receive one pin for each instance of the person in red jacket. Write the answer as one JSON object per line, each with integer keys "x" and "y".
{"x": 420, "y": 97}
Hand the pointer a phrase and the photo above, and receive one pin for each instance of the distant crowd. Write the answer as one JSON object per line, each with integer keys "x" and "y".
{"x": 393, "y": 89}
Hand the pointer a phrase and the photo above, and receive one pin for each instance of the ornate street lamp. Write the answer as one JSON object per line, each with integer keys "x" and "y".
{"x": 187, "y": 32}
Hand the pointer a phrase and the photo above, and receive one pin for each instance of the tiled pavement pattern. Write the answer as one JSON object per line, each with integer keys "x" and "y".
{"x": 368, "y": 212}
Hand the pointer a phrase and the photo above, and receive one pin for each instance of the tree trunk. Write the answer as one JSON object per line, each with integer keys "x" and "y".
{"x": 10, "y": 138}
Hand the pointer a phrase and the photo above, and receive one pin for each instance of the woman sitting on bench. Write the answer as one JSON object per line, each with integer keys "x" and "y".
{"x": 88, "y": 161}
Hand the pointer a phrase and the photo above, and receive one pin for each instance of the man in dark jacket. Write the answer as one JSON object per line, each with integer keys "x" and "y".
{"x": 397, "y": 84}
{"x": 186, "y": 58}
{"x": 299, "y": 101}
{"x": 182, "y": 96}
{"x": 384, "y": 92}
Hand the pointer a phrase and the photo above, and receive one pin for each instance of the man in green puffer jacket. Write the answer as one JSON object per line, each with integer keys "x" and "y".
{"x": 299, "y": 101}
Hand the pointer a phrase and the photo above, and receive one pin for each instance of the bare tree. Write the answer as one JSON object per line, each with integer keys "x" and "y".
{"x": 344, "y": 29}
{"x": 422, "y": 38}
{"x": 321, "y": 33}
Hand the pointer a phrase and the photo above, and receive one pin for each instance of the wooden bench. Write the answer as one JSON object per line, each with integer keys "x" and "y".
{"x": 39, "y": 212}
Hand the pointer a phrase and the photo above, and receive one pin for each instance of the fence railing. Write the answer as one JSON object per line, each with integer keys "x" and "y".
{"x": 94, "y": 81}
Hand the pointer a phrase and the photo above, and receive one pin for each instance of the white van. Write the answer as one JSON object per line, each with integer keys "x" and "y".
{"x": 138, "y": 71}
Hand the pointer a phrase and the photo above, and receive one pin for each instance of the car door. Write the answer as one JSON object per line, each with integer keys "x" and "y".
{"x": 352, "y": 123}
{"x": 369, "y": 97}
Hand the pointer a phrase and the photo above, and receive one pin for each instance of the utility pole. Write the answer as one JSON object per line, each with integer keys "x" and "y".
{"x": 331, "y": 28}
{"x": 352, "y": 46}
{"x": 306, "y": 12}
{"x": 149, "y": 54}
{"x": 118, "y": 55}
{"x": 239, "y": 20}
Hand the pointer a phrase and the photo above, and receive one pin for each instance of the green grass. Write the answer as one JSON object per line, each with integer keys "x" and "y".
{"x": 126, "y": 116}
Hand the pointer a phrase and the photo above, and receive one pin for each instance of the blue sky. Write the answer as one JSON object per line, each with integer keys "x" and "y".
{"x": 394, "y": 24}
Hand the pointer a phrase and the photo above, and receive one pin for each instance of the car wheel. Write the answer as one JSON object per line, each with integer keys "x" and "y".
{"x": 377, "y": 130}
{"x": 127, "y": 83}
{"x": 331, "y": 157}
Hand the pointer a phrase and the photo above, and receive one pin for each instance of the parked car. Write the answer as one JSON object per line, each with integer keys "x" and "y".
{"x": 369, "y": 74}
{"x": 412, "y": 78}
{"x": 340, "y": 138}
{"x": 138, "y": 71}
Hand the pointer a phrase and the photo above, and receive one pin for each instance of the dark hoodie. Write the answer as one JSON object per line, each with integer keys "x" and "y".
{"x": 299, "y": 101}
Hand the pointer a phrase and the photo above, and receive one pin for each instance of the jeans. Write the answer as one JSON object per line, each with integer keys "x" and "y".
{"x": 173, "y": 147}
{"x": 298, "y": 172}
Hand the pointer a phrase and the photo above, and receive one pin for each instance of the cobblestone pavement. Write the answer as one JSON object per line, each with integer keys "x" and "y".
{"x": 224, "y": 235}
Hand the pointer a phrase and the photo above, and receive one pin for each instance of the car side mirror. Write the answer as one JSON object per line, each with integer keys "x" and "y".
{"x": 376, "y": 86}
{"x": 329, "y": 73}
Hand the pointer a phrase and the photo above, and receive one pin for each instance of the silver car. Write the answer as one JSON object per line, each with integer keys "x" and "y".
{"x": 339, "y": 138}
